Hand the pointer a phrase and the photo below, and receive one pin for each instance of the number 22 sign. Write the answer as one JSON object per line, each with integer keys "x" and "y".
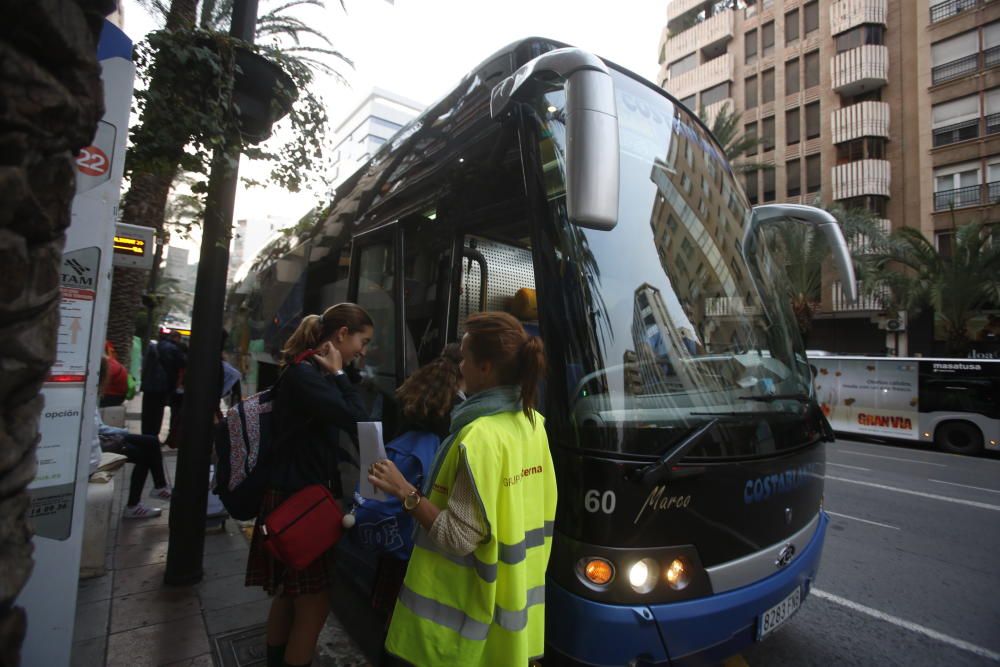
{"x": 92, "y": 161}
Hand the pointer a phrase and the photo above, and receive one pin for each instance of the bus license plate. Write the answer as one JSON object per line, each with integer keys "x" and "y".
{"x": 772, "y": 619}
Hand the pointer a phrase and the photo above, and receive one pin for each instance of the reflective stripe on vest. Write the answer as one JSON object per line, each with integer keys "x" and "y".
{"x": 460, "y": 622}
{"x": 511, "y": 554}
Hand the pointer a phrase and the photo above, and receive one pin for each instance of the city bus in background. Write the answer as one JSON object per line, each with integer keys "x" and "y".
{"x": 951, "y": 403}
{"x": 679, "y": 402}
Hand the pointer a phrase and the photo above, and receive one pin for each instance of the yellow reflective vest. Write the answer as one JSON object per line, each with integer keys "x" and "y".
{"x": 487, "y": 608}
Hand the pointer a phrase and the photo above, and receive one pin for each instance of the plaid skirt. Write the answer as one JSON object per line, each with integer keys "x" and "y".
{"x": 275, "y": 577}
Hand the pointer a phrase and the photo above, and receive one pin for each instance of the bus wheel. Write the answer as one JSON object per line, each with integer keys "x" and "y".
{"x": 959, "y": 438}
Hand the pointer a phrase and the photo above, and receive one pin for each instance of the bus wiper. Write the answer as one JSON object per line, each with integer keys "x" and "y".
{"x": 801, "y": 398}
{"x": 664, "y": 468}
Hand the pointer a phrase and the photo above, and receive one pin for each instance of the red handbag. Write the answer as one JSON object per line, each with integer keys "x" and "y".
{"x": 305, "y": 525}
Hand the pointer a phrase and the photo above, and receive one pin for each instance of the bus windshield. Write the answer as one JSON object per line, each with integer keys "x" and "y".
{"x": 675, "y": 321}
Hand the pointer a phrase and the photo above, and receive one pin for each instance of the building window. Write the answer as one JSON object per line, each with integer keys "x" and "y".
{"x": 954, "y": 121}
{"x": 793, "y": 178}
{"x": 767, "y": 86}
{"x": 814, "y": 174}
{"x": 993, "y": 111}
{"x": 812, "y": 69}
{"x": 859, "y": 36}
{"x": 714, "y": 94}
{"x": 750, "y": 47}
{"x": 792, "y": 77}
{"x": 767, "y": 39}
{"x": 750, "y": 92}
{"x": 685, "y": 64}
{"x": 945, "y": 243}
{"x": 767, "y": 133}
{"x": 810, "y": 16}
{"x": 875, "y": 204}
{"x": 793, "y": 129}
{"x": 812, "y": 120}
{"x": 768, "y": 185}
{"x": 751, "y": 187}
{"x": 869, "y": 96}
{"x": 689, "y": 102}
{"x": 792, "y": 26}
{"x": 750, "y": 132}
{"x": 955, "y": 57}
{"x": 957, "y": 186}
{"x": 867, "y": 148}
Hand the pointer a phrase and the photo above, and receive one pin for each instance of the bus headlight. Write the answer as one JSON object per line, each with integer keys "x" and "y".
{"x": 643, "y": 575}
{"x": 597, "y": 571}
{"x": 678, "y": 575}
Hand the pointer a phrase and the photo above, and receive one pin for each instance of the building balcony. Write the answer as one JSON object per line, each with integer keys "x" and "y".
{"x": 702, "y": 77}
{"x": 847, "y": 14}
{"x": 865, "y": 302}
{"x": 680, "y": 12}
{"x": 709, "y": 37}
{"x": 859, "y": 70}
{"x": 862, "y": 244}
{"x": 861, "y": 178}
{"x": 983, "y": 194}
{"x": 970, "y": 64}
{"x": 729, "y": 306}
{"x": 945, "y": 10}
{"x": 864, "y": 119}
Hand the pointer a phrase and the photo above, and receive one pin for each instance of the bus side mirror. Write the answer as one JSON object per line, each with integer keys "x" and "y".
{"x": 819, "y": 219}
{"x": 591, "y": 130}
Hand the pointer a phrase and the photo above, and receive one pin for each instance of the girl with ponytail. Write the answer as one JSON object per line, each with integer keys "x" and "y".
{"x": 491, "y": 495}
{"x": 314, "y": 401}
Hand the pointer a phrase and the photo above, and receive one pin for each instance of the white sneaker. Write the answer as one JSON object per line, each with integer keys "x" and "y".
{"x": 140, "y": 511}
{"x": 162, "y": 493}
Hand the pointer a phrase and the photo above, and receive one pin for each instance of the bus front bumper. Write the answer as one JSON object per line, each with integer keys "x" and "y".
{"x": 697, "y": 632}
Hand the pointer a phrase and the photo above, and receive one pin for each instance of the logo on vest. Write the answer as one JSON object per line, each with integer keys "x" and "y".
{"x": 532, "y": 470}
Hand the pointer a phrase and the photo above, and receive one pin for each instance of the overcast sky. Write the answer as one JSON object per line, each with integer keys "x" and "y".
{"x": 421, "y": 48}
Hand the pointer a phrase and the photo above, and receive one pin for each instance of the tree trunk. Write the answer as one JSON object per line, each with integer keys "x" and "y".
{"x": 146, "y": 203}
{"x": 51, "y": 87}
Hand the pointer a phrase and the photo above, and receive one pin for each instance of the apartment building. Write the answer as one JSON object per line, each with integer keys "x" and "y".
{"x": 889, "y": 105}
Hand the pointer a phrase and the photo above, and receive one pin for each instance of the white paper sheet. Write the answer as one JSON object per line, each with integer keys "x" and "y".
{"x": 372, "y": 450}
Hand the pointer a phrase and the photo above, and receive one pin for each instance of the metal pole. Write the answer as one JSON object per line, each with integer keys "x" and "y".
{"x": 203, "y": 374}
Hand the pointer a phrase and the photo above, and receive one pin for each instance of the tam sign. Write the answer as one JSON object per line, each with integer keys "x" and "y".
{"x": 133, "y": 246}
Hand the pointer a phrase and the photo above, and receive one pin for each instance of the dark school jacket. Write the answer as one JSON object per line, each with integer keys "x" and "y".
{"x": 310, "y": 409}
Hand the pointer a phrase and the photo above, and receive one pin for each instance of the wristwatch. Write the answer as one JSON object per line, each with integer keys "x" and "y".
{"x": 339, "y": 371}
{"x": 411, "y": 500}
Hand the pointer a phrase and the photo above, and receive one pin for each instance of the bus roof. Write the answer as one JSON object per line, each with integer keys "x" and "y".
{"x": 445, "y": 124}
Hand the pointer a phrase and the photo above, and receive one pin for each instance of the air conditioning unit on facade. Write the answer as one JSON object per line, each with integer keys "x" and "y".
{"x": 886, "y": 323}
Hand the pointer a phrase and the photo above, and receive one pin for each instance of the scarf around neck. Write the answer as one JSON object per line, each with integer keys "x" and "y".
{"x": 504, "y": 398}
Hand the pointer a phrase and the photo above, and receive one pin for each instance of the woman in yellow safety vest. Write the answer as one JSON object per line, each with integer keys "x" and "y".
{"x": 474, "y": 592}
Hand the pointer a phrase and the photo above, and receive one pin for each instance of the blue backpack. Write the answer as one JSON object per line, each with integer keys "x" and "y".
{"x": 383, "y": 526}
{"x": 243, "y": 449}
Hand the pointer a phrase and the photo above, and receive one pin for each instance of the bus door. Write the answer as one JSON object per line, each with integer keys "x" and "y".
{"x": 428, "y": 246}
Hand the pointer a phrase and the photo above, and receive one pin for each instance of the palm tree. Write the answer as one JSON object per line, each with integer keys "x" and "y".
{"x": 51, "y": 106}
{"x": 956, "y": 286}
{"x": 735, "y": 143}
{"x": 802, "y": 250}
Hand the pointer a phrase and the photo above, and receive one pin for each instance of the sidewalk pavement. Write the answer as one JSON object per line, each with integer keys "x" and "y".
{"x": 128, "y": 618}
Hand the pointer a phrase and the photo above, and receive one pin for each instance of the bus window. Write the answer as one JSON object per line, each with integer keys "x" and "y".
{"x": 961, "y": 395}
{"x": 426, "y": 270}
{"x": 375, "y": 294}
